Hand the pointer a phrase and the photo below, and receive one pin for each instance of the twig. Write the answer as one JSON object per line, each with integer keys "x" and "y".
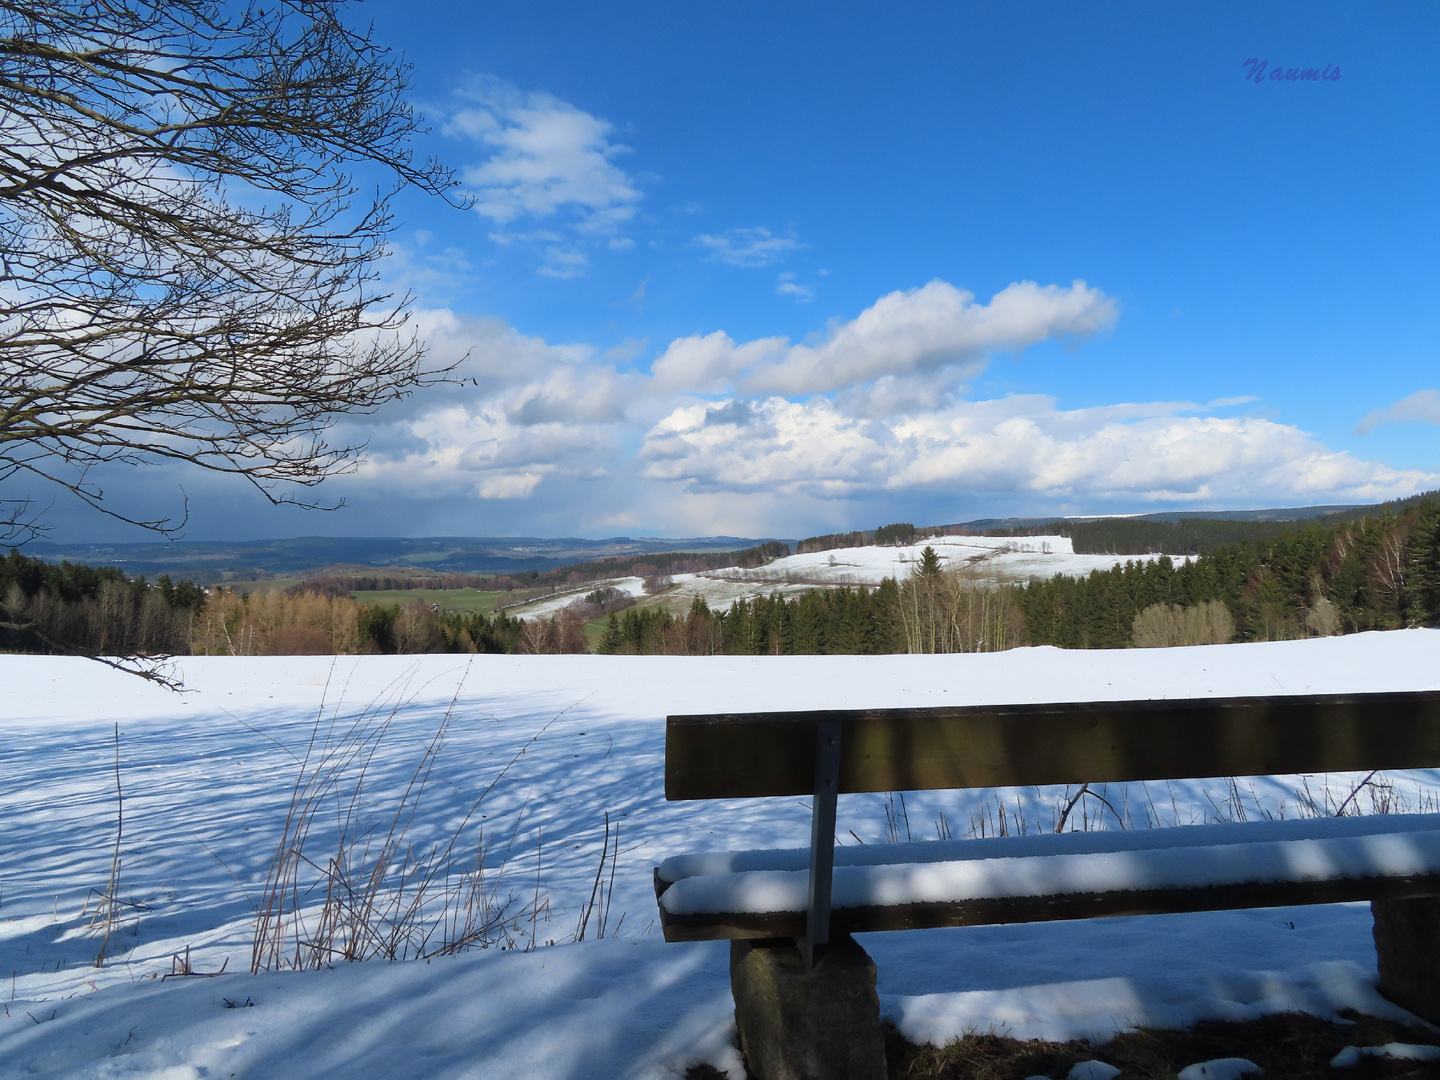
{"x": 604, "y": 851}
{"x": 114, "y": 859}
{"x": 1340, "y": 810}
{"x": 610, "y": 892}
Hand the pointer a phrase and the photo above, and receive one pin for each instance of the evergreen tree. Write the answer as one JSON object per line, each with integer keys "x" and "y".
{"x": 611, "y": 639}
{"x": 929, "y": 563}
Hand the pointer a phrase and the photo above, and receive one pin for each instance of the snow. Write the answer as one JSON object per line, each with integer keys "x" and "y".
{"x": 208, "y": 774}
{"x": 552, "y": 605}
{"x": 1401, "y": 853}
{"x": 1349, "y": 1057}
{"x": 991, "y": 559}
{"x": 1071, "y": 843}
{"x": 1220, "y": 1069}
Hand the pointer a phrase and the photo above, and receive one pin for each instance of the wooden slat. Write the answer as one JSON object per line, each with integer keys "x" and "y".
{"x": 790, "y": 924}
{"x": 756, "y": 754}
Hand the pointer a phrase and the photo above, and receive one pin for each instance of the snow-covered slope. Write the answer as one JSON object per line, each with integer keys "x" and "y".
{"x": 991, "y": 559}
{"x": 207, "y": 777}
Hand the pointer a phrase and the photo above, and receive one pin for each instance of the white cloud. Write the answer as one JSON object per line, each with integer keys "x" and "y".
{"x": 931, "y": 327}
{"x": 571, "y": 394}
{"x": 509, "y": 485}
{"x": 520, "y": 411}
{"x": 900, "y": 395}
{"x": 531, "y": 420}
{"x": 709, "y": 363}
{"x": 473, "y": 447}
{"x": 788, "y": 286}
{"x": 563, "y": 262}
{"x": 749, "y": 247}
{"x": 1139, "y": 452}
{"x": 627, "y": 350}
{"x": 915, "y": 331}
{"x": 774, "y": 445}
{"x": 417, "y": 264}
{"x": 1422, "y": 407}
{"x": 546, "y": 156}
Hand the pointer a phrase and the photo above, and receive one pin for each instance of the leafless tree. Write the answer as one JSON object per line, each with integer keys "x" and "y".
{"x": 187, "y": 262}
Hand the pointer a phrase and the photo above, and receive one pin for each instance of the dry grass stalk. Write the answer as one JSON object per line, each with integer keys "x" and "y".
{"x": 602, "y": 891}
{"x": 377, "y": 896}
{"x": 1091, "y": 808}
{"x": 107, "y": 912}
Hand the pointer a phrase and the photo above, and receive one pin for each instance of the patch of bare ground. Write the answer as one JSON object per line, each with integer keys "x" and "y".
{"x": 1287, "y": 1046}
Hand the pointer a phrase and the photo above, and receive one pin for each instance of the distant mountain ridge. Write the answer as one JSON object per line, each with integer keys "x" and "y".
{"x": 207, "y": 561}
{"x": 1291, "y": 513}
{"x": 1184, "y": 532}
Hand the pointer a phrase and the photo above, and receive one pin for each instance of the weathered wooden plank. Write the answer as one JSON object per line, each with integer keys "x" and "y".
{"x": 1019, "y": 909}
{"x": 757, "y": 754}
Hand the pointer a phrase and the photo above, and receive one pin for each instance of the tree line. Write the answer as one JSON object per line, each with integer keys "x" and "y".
{"x": 74, "y": 608}
{"x": 898, "y": 533}
{"x": 1368, "y": 573}
{"x": 1191, "y": 535}
{"x": 930, "y": 611}
{"x": 343, "y": 580}
{"x": 70, "y": 608}
{"x": 1362, "y": 573}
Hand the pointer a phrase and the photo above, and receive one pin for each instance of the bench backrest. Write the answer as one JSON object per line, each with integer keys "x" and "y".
{"x": 754, "y": 754}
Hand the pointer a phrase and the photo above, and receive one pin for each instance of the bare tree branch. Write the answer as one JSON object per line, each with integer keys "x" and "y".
{"x": 187, "y": 270}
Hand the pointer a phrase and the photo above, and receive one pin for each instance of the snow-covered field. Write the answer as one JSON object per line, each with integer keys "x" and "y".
{"x": 207, "y": 777}
{"x": 550, "y": 605}
{"x": 991, "y": 559}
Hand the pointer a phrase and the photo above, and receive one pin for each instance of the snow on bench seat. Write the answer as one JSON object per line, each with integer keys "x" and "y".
{"x": 1147, "y": 861}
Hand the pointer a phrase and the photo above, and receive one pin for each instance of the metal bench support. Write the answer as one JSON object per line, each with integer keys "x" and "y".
{"x": 822, "y": 841}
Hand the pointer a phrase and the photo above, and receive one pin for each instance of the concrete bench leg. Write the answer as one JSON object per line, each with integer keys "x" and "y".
{"x": 796, "y": 1024}
{"x": 1407, "y": 945}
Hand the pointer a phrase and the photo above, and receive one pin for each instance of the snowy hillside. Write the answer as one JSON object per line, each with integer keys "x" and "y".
{"x": 990, "y": 558}
{"x": 207, "y": 778}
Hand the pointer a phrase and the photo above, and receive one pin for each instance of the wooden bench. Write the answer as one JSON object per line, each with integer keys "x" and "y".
{"x": 804, "y": 990}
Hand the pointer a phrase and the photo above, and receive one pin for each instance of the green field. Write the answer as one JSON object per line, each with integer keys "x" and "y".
{"x": 249, "y": 585}
{"x": 467, "y": 600}
{"x": 593, "y": 630}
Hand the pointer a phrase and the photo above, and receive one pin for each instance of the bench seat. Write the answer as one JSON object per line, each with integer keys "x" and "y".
{"x": 720, "y": 895}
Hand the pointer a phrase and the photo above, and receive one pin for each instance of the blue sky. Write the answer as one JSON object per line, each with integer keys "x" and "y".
{"x": 782, "y": 268}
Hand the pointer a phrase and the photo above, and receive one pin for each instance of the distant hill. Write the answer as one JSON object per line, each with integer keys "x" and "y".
{"x": 1180, "y": 532}
{"x": 1290, "y": 513}
{"x": 1177, "y": 532}
{"x": 211, "y": 561}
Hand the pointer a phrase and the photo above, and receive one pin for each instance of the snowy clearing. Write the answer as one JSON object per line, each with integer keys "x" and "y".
{"x": 207, "y": 778}
{"x": 992, "y": 559}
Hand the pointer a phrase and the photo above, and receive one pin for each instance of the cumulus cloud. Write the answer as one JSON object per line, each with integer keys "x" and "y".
{"x": 914, "y": 331}
{"x": 1141, "y": 452}
{"x": 517, "y": 412}
{"x": 708, "y": 363}
{"x": 1422, "y": 407}
{"x": 935, "y": 326}
{"x": 747, "y": 247}
{"x": 900, "y": 395}
{"x": 545, "y": 156}
{"x": 571, "y": 394}
{"x": 883, "y": 417}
